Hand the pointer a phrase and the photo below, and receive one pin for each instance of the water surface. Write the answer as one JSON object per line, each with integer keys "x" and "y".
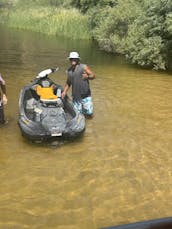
{"x": 118, "y": 172}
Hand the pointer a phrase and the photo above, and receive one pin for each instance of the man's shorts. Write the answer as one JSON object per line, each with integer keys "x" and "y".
{"x": 85, "y": 106}
{"x": 1, "y": 113}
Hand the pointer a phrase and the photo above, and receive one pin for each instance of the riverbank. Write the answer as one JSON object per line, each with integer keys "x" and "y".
{"x": 48, "y": 20}
{"x": 117, "y": 28}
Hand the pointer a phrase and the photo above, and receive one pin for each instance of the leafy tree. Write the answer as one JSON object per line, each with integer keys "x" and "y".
{"x": 110, "y": 25}
{"x": 85, "y": 5}
{"x": 148, "y": 38}
{"x": 142, "y": 30}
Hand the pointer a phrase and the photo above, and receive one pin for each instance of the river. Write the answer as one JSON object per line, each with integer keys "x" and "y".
{"x": 118, "y": 172}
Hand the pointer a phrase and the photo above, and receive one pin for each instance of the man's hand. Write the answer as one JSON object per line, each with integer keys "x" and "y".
{"x": 4, "y": 99}
{"x": 63, "y": 94}
{"x": 85, "y": 76}
{"x": 66, "y": 88}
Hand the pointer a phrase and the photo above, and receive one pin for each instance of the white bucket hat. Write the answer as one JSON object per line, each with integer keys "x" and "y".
{"x": 74, "y": 55}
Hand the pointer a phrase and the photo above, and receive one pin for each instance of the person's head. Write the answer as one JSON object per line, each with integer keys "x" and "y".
{"x": 74, "y": 58}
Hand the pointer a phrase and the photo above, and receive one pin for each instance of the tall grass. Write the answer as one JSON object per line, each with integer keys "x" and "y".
{"x": 53, "y": 21}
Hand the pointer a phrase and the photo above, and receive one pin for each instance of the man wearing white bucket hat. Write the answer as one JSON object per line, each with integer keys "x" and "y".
{"x": 78, "y": 75}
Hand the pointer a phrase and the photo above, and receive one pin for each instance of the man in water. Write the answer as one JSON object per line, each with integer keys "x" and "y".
{"x": 3, "y": 99}
{"x": 78, "y": 75}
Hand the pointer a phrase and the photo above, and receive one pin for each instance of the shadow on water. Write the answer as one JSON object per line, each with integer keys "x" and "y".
{"x": 55, "y": 142}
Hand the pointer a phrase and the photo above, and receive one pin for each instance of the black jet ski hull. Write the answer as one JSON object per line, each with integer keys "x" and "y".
{"x": 42, "y": 121}
{"x": 34, "y": 131}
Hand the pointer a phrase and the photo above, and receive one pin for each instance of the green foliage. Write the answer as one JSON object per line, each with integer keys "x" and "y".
{"x": 6, "y": 3}
{"x": 142, "y": 30}
{"x": 111, "y": 25}
{"x": 148, "y": 37}
{"x": 52, "y": 21}
{"x": 2, "y": 2}
{"x": 85, "y": 5}
{"x": 169, "y": 23}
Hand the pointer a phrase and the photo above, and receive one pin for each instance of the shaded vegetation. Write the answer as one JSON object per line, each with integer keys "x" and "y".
{"x": 139, "y": 29}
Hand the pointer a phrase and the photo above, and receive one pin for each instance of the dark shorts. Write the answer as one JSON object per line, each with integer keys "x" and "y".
{"x": 2, "y": 119}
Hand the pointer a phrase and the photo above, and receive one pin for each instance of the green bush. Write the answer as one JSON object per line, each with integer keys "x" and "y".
{"x": 141, "y": 30}
{"x": 85, "y": 5}
{"x": 110, "y": 26}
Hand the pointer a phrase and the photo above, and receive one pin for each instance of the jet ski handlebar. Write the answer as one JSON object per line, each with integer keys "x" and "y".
{"x": 46, "y": 72}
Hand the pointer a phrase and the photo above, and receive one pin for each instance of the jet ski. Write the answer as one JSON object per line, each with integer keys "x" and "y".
{"x": 43, "y": 114}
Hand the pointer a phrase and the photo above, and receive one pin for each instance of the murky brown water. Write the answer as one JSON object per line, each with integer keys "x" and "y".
{"x": 119, "y": 172}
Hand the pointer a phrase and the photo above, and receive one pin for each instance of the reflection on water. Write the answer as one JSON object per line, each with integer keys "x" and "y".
{"x": 118, "y": 172}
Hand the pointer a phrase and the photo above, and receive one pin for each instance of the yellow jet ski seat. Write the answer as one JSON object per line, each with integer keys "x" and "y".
{"x": 46, "y": 93}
